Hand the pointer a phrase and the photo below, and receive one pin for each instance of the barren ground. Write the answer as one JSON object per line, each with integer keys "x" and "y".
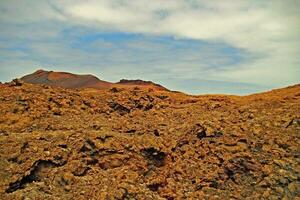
{"x": 142, "y": 144}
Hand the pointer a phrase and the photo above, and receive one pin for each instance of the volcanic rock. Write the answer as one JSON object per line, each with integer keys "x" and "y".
{"x": 124, "y": 143}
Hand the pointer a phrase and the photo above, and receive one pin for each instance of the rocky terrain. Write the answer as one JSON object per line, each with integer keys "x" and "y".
{"x": 140, "y": 143}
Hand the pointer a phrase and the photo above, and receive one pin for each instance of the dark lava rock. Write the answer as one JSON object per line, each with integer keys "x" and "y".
{"x": 122, "y": 110}
{"x": 154, "y": 156}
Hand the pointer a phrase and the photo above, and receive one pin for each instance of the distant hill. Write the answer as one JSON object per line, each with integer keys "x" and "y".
{"x": 139, "y": 82}
{"x": 69, "y": 80}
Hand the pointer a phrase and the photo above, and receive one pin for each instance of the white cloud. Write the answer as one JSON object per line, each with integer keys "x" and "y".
{"x": 267, "y": 30}
{"x": 27, "y": 11}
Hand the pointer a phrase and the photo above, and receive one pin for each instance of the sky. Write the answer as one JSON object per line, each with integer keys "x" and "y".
{"x": 195, "y": 46}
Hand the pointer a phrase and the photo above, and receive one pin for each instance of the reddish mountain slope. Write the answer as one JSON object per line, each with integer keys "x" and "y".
{"x": 142, "y": 83}
{"x": 69, "y": 80}
{"x": 65, "y": 80}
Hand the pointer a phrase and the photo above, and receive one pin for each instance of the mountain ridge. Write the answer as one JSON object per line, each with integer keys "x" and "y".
{"x": 76, "y": 81}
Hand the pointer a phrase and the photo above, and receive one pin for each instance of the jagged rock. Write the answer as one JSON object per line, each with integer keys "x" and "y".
{"x": 154, "y": 156}
{"x": 16, "y": 82}
{"x": 114, "y": 90}
{"x": 146, "y": 144}
{"x": 119, "y": 108}
{"x": 294, "y": 188}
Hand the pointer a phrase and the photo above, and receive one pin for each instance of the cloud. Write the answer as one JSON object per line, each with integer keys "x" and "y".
{"x": 30, "y": 11}
{"x": 248, "y": 41}
{"x": 265, "y": 29}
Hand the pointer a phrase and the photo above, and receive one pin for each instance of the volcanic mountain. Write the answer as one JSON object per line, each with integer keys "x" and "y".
{"x": 69, "y": 80}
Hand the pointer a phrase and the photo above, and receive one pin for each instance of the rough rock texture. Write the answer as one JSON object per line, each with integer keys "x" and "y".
{"x": 139, "y": 144}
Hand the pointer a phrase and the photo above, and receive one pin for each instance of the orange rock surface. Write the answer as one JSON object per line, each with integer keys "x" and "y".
{"x": 131, "y": 143}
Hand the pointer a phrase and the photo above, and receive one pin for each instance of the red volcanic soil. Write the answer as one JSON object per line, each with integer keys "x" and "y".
{"x": 69, "y": 80}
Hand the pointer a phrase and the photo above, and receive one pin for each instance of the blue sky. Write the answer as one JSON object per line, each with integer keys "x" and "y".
{"x": 233, "y": 47}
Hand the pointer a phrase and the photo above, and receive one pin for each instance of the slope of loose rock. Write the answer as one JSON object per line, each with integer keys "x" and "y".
{"x": 142, "y": 144}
